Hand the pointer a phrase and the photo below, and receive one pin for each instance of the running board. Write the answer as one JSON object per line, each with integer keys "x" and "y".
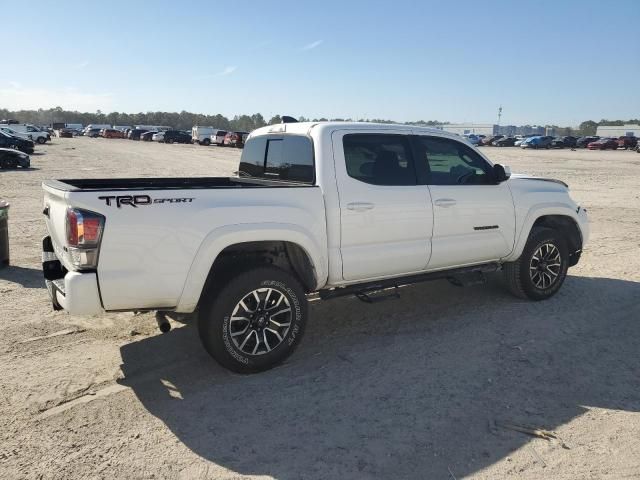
{"x": 364, "y": 291}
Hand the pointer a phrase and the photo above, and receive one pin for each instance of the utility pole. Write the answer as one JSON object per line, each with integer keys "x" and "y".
{"x": 499, "y": 114}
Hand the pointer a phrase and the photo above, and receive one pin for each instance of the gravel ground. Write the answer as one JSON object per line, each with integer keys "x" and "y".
{"x": 424, "y": 386}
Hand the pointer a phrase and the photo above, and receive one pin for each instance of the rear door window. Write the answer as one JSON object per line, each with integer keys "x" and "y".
{"x": 287, "y": 158}
{"x": 379, "y": 159}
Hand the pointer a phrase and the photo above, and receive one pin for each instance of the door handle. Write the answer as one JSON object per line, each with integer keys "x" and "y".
{"x": 360, "y": 206}
{"x": 445, "y": 202}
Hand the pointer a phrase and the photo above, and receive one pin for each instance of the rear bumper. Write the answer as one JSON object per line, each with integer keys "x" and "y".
{"x": 75, "y": 292}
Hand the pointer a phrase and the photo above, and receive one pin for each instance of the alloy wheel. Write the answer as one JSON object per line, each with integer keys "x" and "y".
{"x": 260, "y": 321}
{"x": 545, "y": 266}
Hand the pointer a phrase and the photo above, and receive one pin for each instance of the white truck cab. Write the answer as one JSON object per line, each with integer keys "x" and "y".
{"x": 336, "y": 208}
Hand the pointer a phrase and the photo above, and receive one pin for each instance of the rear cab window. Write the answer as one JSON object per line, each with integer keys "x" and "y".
{"x": 286, "y": 158}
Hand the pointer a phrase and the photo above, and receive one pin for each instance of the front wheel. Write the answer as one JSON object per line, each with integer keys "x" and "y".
{"x": 255, "y": 321}
{"x": 41, "y": 140}
{"x": 542, "y": 267}
{"x": 206, "y": 142}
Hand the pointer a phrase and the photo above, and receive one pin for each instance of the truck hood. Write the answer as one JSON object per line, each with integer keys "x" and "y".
{"x": 522, "y": 176}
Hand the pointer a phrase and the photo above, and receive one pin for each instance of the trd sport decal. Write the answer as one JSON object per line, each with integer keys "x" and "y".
{"x": 135, "y": 200}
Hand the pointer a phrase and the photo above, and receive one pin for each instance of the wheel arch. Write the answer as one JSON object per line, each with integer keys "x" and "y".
{"x": 289, "y": 247}
{"x": 558, "y": 217}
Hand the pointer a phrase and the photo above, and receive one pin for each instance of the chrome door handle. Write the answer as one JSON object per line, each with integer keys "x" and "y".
{"x": 360, "y": 206}
{"x": 445, "y": 202}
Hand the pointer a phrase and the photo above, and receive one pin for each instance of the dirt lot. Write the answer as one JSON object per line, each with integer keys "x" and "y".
{"x": 407, "y": 388}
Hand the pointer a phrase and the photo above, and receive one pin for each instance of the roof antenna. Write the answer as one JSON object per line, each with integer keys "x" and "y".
{"x": 287, "y": 119}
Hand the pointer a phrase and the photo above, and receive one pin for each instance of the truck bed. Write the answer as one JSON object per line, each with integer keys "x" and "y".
{"x": 169, "y": 183}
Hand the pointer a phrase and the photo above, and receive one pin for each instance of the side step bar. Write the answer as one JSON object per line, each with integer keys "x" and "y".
{"x": 369, "y": 287}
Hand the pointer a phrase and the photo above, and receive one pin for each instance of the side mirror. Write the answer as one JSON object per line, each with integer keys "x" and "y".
{"x": 501, "y": 173}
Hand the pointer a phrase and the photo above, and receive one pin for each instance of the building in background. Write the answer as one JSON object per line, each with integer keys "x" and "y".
{"x": 468, "y": 128}
{"x": 530, "y": 130}
{"x": 618, "y": 130}
{"x": 492, "y": 129}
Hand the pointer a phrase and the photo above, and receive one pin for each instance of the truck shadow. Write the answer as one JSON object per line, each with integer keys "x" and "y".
{"x": 27, "y": 277}
{"x": 406, "y": 388}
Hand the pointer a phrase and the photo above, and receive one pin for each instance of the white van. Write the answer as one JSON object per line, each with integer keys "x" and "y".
{"x": 202, "y": 135}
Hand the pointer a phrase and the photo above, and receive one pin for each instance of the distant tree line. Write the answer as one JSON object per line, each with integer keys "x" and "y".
{"x": 185, "y": 120}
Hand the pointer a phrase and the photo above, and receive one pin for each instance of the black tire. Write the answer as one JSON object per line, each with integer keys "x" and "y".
{"x": 220, "y": 303}
{"x": 206, "y": 142}
{"x": 517, "y": 274}
{"x": 169, "y": 141}
{"x": 41, "y": 140}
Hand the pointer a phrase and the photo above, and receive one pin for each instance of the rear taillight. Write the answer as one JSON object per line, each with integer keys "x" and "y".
{"x": 84, "y": 231}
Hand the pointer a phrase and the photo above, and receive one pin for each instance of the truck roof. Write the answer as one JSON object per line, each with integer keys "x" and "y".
{"x": 305, "y": 128}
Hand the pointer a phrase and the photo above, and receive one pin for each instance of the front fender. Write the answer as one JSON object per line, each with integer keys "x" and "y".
{"x": 541, "y": 210}
{"x": 220, "y": 238}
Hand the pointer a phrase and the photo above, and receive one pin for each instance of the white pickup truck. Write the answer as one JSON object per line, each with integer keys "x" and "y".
{"x": 334, "y": 208}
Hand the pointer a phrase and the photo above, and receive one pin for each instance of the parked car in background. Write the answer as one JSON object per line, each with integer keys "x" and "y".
{"x": 9, "y": 121}
{"x": 219, "y": 138}
{"x": 488, "y": 140}
{"x": 558, "y": 142}
{"x": 97, "y": 125}
{"x": 628, "y": 142}
{"x": 537, "y": 142}
{"x": 582, "y": 142}
{"x": 176, "y": 136}
{"x": 235, "y": 139}
{"x": 11, "y": 158}
{"x": 13, "y": 133}
{"x": 17, "y": 143}
{"x": 93, "y": 132}
{"x": 505, "y": 142}
{"x": 34, "y": 133}
{"x": 158, "y": 137}
{"x": 136, "y": 133}
{"x": 65, "y": 133}
{"x": 604, "y": 144}
{"x": 148, "y": 136}
{"x": 112, "y": 133}
{"x": 473, "y": 139}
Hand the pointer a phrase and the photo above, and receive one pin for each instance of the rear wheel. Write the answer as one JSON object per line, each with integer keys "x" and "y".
{"x": 41, "y": 140}
{"x": 206, "y": 142}
{"x": 255, "y": 320}
{"x": 168, "y": 140}
{"x": 542, "y": 267}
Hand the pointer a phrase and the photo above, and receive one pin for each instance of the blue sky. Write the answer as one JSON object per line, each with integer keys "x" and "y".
{"x": 558, "y": 62}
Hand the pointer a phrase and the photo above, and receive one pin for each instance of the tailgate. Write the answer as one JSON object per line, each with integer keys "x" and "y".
{"x": 55, "y": 212}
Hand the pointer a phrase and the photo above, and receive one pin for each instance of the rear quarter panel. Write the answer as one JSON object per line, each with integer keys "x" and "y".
{"x": 148, "y": 252}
